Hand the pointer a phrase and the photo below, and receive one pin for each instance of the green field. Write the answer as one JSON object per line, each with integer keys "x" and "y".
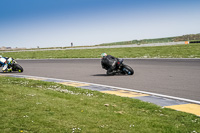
{"x": 175, "y": 51}
{"x": 31, "y": 106}
{"x": 188, "y": 37}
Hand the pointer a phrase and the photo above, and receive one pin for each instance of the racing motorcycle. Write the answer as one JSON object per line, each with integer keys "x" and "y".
{"x": 122, "y": 69}
{"x": 13, "y": 65}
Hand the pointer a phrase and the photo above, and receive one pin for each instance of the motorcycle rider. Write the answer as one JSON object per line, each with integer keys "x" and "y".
{"x": 109, "y": 63}
{"x": 4, "y": 62}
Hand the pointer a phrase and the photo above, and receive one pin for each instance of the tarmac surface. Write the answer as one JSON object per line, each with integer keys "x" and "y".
{"x": 173, "y": 77}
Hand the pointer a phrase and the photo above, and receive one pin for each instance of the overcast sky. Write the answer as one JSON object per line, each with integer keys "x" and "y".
{"x": 57, "y": 23}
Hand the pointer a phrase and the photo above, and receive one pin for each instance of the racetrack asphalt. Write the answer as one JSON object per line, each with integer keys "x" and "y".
{"x": 173, "y": 77}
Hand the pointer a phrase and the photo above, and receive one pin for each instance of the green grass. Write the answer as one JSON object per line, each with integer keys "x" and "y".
{"x": 42, "y": 107}
{"x": 144, "y": 41}
{"x": 176, "y": 51}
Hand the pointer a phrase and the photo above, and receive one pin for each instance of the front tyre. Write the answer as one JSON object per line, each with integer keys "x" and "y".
{"x": 17, "y": 67}
{"x": 127, "y": 70}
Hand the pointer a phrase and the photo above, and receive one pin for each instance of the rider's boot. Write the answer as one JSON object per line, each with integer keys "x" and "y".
{"x": 5, "y": 70}
{"x": 110, "y": 72}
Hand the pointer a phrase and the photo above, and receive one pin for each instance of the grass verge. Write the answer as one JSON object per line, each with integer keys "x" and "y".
{"x": 38, "y": 106}
{"x": 175, "y": 51}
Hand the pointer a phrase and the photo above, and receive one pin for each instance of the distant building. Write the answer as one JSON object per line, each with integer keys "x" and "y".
{"x": 9, "y": 48}
{"x": 5, "y": 48}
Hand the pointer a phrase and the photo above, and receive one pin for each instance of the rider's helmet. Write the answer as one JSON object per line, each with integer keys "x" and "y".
{"x": 103, "y": 54}
{"x": 9, "y": 61}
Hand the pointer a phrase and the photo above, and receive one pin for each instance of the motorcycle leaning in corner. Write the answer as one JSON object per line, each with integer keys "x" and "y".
{"x": 13, "y": 65}
{"x": 115, "y": 66}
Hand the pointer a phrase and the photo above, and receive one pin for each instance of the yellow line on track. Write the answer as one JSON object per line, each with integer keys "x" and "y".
{"x": 74, "y": 84}
{"x": 189, "y": 108}
{"x": 124, "y": 93}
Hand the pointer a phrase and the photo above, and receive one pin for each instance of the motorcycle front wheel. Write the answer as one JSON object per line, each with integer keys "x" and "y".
{"x": 127, "y": 70}
{"x": 17, "y": 67}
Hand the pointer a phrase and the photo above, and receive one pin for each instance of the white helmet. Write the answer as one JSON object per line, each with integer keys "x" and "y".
{"x": 103, "y": 54}
{"x": 1, "y": 56}
{"x": 9, "y": 60}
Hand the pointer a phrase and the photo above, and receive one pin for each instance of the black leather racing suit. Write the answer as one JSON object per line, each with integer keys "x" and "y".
{"x": 109, "y": 63}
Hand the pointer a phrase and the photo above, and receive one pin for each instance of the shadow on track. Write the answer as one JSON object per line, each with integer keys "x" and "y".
{"x": 100, "y": 75}
{"x": 105, "y": 75}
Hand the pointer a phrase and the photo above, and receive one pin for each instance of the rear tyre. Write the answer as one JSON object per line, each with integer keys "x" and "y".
{"x": 127, "y": 70}
{"x": 17, "y": 67}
